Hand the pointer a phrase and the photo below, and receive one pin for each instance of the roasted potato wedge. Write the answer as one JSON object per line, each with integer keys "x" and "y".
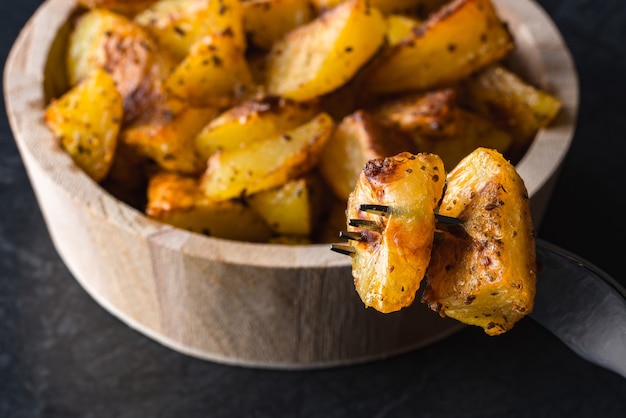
{"x": 87, "y": 120}
{"x": 391, "y": 257}
{"x": 214, "y": 73}
{"x": 439, "y": 125}
{"x": 177, "y": 25}
{"x": 291, "y": 209}
{"x": 317, "y": 58}
{"x": 167, "y": 133}
{"x": 468, "y": 131}
{"x": 266, "y": 163}
{"x": 358, "y": 138}
{"x": 511, "y": 103}
{"x": 103, "y": 39}
{"x": 125, "y": 7}
{"x": 485, "y": 273}
{"x": 430, "y": 113}
{"x": 175, "y": 199}
{"x": 420, "y": 8}
{"x": 266, "y": 21}
{"x": 251, "y": 121}
{"x": 459, "y": 39}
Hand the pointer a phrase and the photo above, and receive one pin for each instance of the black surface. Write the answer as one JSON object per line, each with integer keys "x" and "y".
{"x": 62, "y": 355}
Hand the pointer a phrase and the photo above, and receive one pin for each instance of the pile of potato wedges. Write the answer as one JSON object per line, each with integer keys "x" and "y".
{"x": 252, "y": 119}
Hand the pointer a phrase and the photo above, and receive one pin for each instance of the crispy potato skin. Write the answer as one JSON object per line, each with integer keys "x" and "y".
{"x": 167, "y": 133}
{"x": 102, "y": 39}
{"x": 176, "y": 200}
{"x": 322, "y": 55}
{"x": 240, "y": 172}
{"x": 468, "y": 131}
{"x": 359, "y": 137}
{"x": 438, "y": 124}
{"x": 86, "y": 120}
{"x": 250, "y": 121}
{"x": 125, "y": 7}
{"x": 460, "y": 38}
{"x": 214, "y": 73}
{"x": 267, "y": 21}
{"x": 390, "y": 261}
{"x": 510, "y": 103}
{"x": 176, "y": 25}
{"x": 484, "y": 274}
{"x": 291, "y": 209}
{"x": 429, "y": 113}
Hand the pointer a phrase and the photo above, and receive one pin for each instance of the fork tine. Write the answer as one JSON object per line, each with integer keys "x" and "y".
{"x": 343, "y": 249}
{"x": 382, "y": 210}
{"x": 385, "y": 210}
{"x": 352, "y": 235}
{"x": 364, "y": 223}
{"x": 373, "y": 208}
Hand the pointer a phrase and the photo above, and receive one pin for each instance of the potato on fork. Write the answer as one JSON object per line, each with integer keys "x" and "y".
{"x": 392, "y": 252}
{"x": 479, "y": 269}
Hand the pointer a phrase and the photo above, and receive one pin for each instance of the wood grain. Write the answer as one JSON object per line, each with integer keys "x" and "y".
{"x": 238, "y": 303}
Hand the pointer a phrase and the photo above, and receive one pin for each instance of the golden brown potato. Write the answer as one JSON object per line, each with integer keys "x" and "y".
{"x": 214, "y": 73}
{"x": 103, "y": 39}
{"x": 87, "y": 119}
{"x": 439, "y": 125}
{"x": 232, "y": 89}
{"x": 176, "y": 200}
{"x": 167, "y": 133}
{"x": 430, "y": 113}
{"x": 177, "y": 25}
{"x": 317, "y": 58}
{"x": 266, "y": 163}
{"x": 358, "y": 138}
{"x": 399, "y": 27}
{"x": 484, "y": 274}
{"x": 266, "y": 21}
{"x": 251, "y": 121}
{"x": 468, "y": 131}
{"x": 291, "y": 209}
{"x": 125, "y": 7}
{"x": 391, "y": 257}
{"x": 462, "y": 37}
{"x": 511, "y": 103}
{"x": 419, "y": 8}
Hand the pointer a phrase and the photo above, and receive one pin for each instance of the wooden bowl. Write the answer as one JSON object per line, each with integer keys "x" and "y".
{"x": 260, "y": 305}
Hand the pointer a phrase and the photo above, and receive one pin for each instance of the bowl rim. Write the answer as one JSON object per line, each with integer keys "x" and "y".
{"x": 549, "y": 148}
{"x": 25, "y": 100}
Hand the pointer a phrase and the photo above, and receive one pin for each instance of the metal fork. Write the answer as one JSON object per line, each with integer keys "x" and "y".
{"x": 576, "y": 301}
{"x": 382, "y": 210}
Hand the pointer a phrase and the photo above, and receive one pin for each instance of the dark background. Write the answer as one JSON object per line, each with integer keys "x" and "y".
{"x": 62, "y": 355}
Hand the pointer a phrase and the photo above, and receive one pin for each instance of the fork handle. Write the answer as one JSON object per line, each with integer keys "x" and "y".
{"x": 583, "y": 306}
